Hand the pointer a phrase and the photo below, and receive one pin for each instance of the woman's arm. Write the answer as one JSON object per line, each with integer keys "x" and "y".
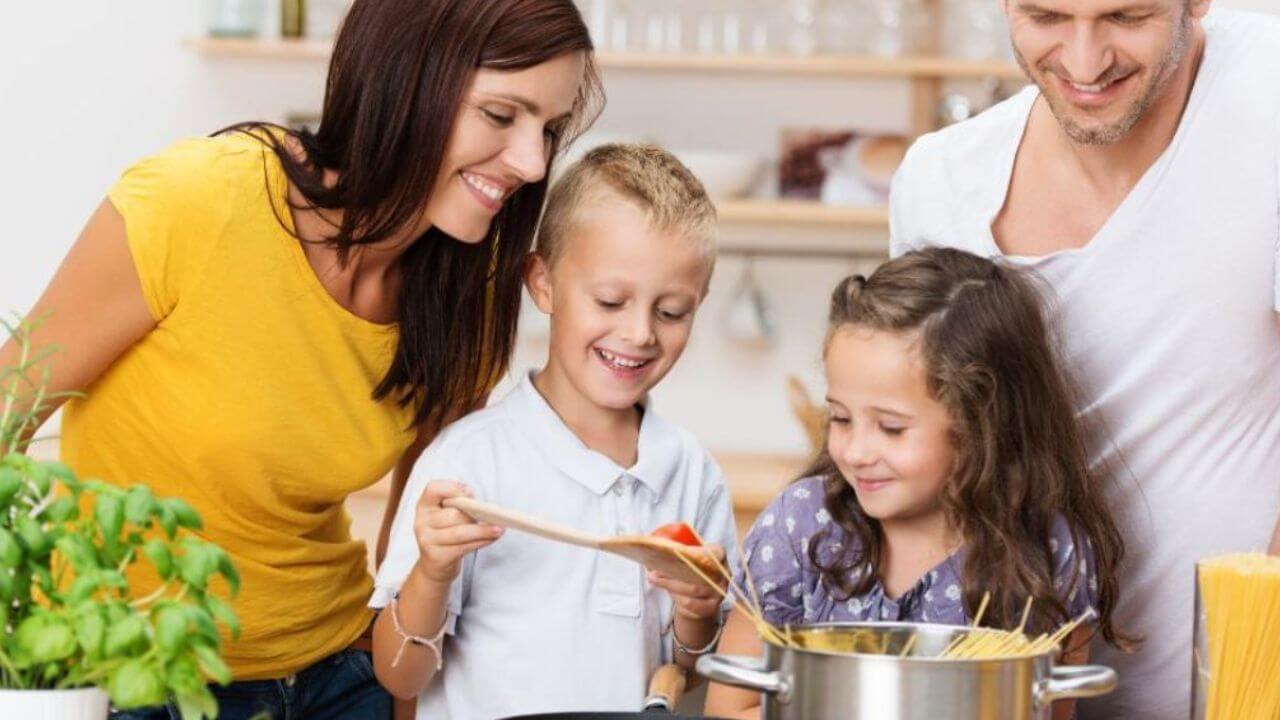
{"x": 739, "y": 638}
{"x": 93, "y": 309}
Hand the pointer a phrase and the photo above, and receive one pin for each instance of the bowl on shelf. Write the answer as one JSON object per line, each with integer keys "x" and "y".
{"x": 724, "y": 174}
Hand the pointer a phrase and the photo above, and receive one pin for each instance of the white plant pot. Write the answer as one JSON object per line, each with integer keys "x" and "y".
{"x": 79, "y": 704}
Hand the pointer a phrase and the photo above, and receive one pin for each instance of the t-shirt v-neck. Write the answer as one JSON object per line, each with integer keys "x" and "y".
{"x": 1123, "y": 217}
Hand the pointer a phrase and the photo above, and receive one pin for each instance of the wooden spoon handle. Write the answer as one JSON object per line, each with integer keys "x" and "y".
{"x": 666, "y": 687}
{"x": 485, "y": 512}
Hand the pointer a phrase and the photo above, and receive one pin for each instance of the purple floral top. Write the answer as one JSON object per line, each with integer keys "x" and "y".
{"x": 791, "y": 591}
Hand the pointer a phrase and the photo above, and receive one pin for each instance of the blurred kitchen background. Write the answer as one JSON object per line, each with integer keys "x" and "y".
{"x": 793, "y": 112}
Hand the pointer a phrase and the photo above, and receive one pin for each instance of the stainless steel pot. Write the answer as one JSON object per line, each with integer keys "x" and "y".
{"x": 866, "y": 679}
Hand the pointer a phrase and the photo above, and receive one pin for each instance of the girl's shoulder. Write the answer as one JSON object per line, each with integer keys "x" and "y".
{"x": 798, "y": 511}
{"x": 1075, "y": 575}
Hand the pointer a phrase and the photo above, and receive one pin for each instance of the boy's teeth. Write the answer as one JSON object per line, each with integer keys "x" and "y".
{"x": 621, "y": 361}
{"x": 490, "y": 191}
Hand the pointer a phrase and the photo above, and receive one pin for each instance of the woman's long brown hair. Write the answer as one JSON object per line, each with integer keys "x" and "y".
{"x": 1021, "y": 459}
{"x": 399, "y": 71}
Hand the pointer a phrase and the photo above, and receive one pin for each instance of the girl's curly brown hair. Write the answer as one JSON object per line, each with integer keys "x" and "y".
{"x": 1020, "y": 453}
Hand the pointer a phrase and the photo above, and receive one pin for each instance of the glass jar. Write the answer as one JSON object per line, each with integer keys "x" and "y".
{"x": 974, "y": 29}
{"x": 901, "y": 28}
{"x": 234, "y": 18}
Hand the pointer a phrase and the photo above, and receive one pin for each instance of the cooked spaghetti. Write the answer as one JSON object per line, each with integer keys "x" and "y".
{"x": 1240, "y": 605}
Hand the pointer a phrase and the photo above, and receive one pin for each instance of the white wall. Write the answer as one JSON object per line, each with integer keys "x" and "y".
{"x": 86, "y": 87}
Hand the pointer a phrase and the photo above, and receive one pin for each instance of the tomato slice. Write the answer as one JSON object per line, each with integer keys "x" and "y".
{"x": 677, "y": 531}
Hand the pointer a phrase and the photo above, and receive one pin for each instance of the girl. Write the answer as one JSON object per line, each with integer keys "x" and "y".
{"x": 266, "y": 321}
{"x": 954, "y": 467}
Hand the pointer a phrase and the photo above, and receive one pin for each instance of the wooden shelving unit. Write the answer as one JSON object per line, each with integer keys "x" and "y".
{"x": 821, "y": 65}
{"x": 925, "y": 74}
{"x": 802, "y": 212}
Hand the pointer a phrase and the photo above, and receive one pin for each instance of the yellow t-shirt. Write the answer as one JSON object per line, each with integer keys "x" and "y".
{"x": 251, "y": 399}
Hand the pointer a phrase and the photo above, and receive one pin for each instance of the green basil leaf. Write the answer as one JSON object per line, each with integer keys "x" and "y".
{"x": 168, "y": 521}
{"x": 10, "y": 550}
{"x": 79, "y": 552}
{"x": 109, "y": 512}
{"x": 60, "y": 470}
{"x": 45, "y": 637}
{"x": 158, "y": 553}
{"x": 183, "y": 675}
{"x": 10, "y": 483}
{"x": 196, "y": 565}
{"x": 126, "y": 637}
{"x": 31, "y": 534}
{"x": 212, "y": 664}
{"x": 171, "y": 630}
{"x": 83, "y": 588}
{"x": 197, "y": 705}
{"x": 136, "y": 684}
{"x": 40, "y": 477}
{"x": 91, "y": 631}
{"x": 206, "y": 630}
{"x": 62, "y": 510}
{"x": 224, "y": 614}
{"x": 139, "y": 504}
{"x": 186, "y": 515}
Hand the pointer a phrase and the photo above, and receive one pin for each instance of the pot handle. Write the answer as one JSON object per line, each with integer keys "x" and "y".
{"x": 1077, "y": 681}
{"x": 744, "y": 672}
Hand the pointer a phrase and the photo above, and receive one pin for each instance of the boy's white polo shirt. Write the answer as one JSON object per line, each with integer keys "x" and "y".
{"x": 537, "y": 626}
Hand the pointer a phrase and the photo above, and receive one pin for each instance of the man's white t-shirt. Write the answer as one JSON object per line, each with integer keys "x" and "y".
{"x": 1168, "y": 321}
{"x": 535, "y": 626}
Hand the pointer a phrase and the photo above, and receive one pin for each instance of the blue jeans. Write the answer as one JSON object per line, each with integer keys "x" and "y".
{"x": 341, "y": 686}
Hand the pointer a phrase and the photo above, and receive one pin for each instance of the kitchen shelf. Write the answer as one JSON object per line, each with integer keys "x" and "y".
{"x": 802, "y": 212}
{"x": 822, "y": 65}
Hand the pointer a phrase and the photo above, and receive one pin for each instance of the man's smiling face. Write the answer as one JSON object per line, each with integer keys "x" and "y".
{"x": 1101, "y": 64}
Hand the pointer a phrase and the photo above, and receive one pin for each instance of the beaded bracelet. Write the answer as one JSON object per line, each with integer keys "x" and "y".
{"x": 433, "y": 644}
{"x": 681, "y": 648}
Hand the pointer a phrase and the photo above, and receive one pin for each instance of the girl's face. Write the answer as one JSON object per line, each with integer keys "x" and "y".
{"x": 501, "y": 139}
{"x": 889, "y": 438}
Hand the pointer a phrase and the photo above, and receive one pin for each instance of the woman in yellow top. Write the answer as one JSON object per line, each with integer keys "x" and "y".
{"x": 264, "y": 321}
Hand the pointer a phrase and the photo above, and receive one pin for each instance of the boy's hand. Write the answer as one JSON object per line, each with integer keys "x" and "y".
{"x": 695, "y": 601}
{"x": 446, "y": 535}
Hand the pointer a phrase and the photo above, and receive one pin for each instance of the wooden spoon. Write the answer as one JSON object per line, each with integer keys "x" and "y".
{"x": 655, "y": 553}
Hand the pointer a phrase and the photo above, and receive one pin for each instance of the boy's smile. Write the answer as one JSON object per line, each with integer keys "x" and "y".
{"x": 622, "y": 298}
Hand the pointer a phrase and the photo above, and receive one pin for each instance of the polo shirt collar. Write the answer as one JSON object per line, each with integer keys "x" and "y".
{"x": 658, "y": 451}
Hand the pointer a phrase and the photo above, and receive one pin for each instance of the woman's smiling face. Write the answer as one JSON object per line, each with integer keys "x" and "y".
{"x": 501, "y": 139}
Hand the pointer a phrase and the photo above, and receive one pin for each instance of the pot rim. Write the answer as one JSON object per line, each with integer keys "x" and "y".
{"x": 910, "y": 659}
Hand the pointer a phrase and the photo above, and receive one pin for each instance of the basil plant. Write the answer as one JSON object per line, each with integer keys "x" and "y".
{"x": 68, "y": 617}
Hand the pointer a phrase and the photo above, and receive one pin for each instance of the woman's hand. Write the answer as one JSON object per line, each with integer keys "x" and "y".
{"x": 694, "y": 601}
{"x": 446, "y": 535}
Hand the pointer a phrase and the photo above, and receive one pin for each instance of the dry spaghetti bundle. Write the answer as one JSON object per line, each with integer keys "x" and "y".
{"x": 1240, "y": 602}
{"x": 978, "y": 643}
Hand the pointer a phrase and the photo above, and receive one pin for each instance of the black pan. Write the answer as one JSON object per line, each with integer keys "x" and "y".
{"x": 640, "y": 715}
{"x": 665, "y": 690}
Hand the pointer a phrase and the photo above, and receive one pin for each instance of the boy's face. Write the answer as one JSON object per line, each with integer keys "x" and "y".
{"x": 622, "y": 298}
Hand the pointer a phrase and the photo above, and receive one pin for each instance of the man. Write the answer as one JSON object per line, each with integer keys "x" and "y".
{"x": 1139, "y": 174}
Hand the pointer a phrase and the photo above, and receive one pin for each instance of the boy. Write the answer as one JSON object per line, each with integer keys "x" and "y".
{"x": 527, "y": 626}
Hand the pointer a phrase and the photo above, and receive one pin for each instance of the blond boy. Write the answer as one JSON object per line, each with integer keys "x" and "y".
{"x": 485, "y": 624}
